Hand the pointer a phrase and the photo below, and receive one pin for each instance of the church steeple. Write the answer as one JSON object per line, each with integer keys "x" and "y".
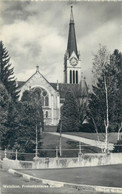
{"x": 72, "y": 66}
{"x": 72, "y": 44}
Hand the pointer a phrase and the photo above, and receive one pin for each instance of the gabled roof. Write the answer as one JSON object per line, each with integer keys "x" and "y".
{"x": 79, "y": 90}
{"x": 21, "y": 83}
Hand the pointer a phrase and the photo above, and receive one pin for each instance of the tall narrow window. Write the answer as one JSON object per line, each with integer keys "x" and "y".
{"x": 76, "y": 77}
{"x": 73, "y": 77}
{"x": 46, "y": 114}
{"x": 70, "y": 76}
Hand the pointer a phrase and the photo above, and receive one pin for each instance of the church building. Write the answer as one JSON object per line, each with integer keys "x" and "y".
{"x": 53, "y": 94}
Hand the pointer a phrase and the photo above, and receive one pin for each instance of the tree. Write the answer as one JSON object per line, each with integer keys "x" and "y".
{"x": 117, "y": 69}
{"x": 69, "y": 114}
{"x": 118, "y": 146}
{"x": 22, "y": 120}
{"x": 31, "y": 117}
{"x": 81, "y": 97}
{"x": 99, "y": 107}
{"x": 4, "y": 103}
{"x": 7, "y": 73}
{"x": 13, "y": 126}
{"x": 105, "y": 98}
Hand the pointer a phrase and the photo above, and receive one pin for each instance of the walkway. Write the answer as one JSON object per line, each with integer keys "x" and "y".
{"x": 91, "y": 142}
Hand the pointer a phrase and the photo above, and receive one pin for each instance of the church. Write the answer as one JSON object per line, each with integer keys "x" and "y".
{"x": 53, "y": 94}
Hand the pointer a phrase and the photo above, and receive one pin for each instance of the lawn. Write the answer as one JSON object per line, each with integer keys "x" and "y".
{"x": 70, "y": 148}
{"x": 110, "y": 176}
{"x": 13, "y": 181}
{"x": 112, "y": 136}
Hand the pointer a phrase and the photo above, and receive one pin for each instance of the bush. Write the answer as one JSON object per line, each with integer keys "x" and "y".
{"x": 118, "y": 146}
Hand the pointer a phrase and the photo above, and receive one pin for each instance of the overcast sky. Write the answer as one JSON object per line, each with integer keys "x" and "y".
{"x": 37, "y": 32}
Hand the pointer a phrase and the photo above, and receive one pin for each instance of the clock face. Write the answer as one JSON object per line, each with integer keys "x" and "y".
{"x": 73, "y": 61}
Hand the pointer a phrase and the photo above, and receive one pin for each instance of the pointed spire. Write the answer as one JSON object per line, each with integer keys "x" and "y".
{"x": 72, "y": 44}
{"x": 71, "y": 16}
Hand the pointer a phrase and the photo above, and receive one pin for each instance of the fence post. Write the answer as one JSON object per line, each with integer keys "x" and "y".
{"x": 16, "y": 155}
{"x": 56, "y": 152}
{"x": 5, "y": 154}
{"x": 79, "y": 147}
{"x": 80, "y": 153}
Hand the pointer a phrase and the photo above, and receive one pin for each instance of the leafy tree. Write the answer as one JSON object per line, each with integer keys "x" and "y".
{"x": 69, "y": 114}
{"x": 105, "y": 98}
{"x": 7, "y": 73}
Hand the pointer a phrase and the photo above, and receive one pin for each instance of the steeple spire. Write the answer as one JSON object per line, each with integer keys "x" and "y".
{"x": 71, "y": 15}
{"x": 72, "y": 44}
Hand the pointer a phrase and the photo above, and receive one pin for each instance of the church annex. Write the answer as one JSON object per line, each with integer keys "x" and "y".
{"x": 53, "y": 94}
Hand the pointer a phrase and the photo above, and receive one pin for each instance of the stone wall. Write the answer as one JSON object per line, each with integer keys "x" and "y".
{"x": 82, "y": 161}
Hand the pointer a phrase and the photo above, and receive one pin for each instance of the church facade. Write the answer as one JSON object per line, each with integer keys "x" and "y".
{"x": 53, "y": 94}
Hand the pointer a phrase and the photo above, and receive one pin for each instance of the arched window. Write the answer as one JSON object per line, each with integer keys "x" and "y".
{"x": 44, "y": 96}
{"x": 76, "y": 77}
{"x": 70, "y": 76}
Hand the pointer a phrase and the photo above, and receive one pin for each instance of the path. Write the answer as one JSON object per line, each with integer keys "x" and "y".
{"x": 91, "y": 142}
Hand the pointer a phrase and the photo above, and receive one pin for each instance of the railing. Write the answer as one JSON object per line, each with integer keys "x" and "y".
{"x": 43, "y": 153}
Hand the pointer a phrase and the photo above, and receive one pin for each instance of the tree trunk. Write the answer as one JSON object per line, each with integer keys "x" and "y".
{"x": 106, "y": 122}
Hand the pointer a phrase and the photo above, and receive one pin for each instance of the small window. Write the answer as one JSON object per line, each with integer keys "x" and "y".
{"x": 46, "y": 114}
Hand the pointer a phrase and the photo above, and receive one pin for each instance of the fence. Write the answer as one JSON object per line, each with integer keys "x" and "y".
{"x": 83, "y": 160}
{"x": 51, "y": 153}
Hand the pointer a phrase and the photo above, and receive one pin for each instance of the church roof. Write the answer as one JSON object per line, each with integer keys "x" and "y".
{"x": 72, "y": 44}
{"x": 80, "y": 90}
{"x": 63, "y": 88}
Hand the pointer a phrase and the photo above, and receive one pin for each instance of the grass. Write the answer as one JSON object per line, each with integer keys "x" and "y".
{"x": 110, "y": 176}
{"x": 112, "y": 136}
{"x": 70, "y": 148}
{"x": 48, "y": 148}
{"x": 51, "y": 141}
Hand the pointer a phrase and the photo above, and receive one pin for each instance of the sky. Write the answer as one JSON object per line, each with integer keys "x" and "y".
{"x": 36, "y": 32}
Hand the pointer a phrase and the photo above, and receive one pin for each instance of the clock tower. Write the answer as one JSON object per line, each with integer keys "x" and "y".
{"x": 72, "y": 66}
